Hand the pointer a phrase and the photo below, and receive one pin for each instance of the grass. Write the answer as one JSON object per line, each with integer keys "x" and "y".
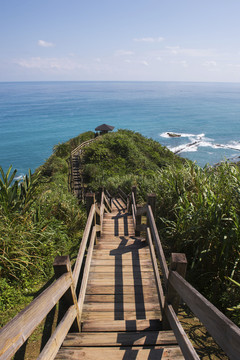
{"x": 197, "y": 213}
{"x": 39, "y": 219}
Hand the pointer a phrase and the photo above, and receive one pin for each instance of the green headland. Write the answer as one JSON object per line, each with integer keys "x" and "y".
{"x": 197, "y": 213}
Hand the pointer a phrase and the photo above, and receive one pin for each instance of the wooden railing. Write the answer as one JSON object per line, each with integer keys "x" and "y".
{"x": 17, "y": 331}
{"x": 223, "y": 331}
{"x": 79, "y": 147}
{"x": 77, "y": 151}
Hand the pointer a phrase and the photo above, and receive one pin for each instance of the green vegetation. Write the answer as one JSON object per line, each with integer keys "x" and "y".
{"x": 39, "y": 219}
{"x": 197, "y": 209}
{"x": 197, "y": 213}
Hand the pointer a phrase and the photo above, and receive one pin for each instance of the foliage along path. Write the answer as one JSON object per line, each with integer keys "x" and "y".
{"x": 121, "y": 312}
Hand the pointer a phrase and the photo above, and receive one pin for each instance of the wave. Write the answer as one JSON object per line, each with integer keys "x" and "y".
{"x": 19, "y": 178}
{"x": 196, "y": 141}
{"x": 182, "y": 135}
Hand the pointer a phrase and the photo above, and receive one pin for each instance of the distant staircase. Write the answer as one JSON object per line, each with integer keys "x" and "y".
{"x": 75, "y": 174}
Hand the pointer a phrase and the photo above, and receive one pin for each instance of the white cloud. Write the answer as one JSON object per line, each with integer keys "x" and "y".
{"x": 49, "y": 63}
{"x": 45, "y": 43}
{"x": 123, "y": 53}
{"x": 149, "y": 39}
{"x": 210, "y": 64}
{"x": 143, "y": 62}
{"x": 177, "y": 50}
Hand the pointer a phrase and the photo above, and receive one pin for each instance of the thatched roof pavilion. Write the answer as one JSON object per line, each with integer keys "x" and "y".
{"x": 104, "y": 128}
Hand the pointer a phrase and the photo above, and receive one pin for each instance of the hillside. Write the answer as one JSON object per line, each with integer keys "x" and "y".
{"x": 197, "y": 213}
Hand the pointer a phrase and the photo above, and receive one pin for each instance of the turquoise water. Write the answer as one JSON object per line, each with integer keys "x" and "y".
{"x": 35, "y": 116}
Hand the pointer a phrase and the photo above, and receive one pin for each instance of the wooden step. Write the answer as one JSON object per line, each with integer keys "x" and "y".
{"x": 103, "y": 353}
{"x": 119, "y": 306}
{"x": 127, "y": 298}
{"x": 122, "y": 245}
{"x": 112, "y": 268}
{"x": 121, "y": 315}
{"x": 122, "y": 325}
{"x": 121, "y": 289}
{"x": 113, "y": 261}
{"x": 122, "y": 281}
{"x": 140, "y": 338}
{"x": 116, "y": 275}
{"x": 107, "y": 252}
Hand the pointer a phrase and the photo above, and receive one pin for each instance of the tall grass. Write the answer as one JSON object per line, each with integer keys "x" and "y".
{"x": 39, "y": 219}
{"x": 197, "y": 213}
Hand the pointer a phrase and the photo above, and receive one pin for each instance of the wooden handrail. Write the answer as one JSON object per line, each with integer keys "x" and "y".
{"x": 53, "y": 345}
{"x": 86, "y": 271}
{"x": 158, "y": 245}
{"x": 185, "y": 344}
{"x": 15, "y": 333}
{"x": 83, "y": 245}
{"x": 223, "y": 330}
{"x": 74, "y": 151}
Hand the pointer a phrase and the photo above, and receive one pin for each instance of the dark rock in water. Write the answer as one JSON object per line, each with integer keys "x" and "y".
{"x": 173, "y": 135}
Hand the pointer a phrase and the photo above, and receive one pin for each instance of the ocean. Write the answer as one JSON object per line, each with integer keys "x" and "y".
{"x": 198, "y": 121}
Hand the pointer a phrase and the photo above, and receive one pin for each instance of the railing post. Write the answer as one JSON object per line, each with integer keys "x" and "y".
{"x": 178, "y": 263}
{"x": 138, "y": 217}
{"x": 100, "y": 190}
{"x": 151, "y": 200}
{"x": 90, "y": 200}
{"x": 61, "y": 266}
{"x": 134, "y": 190}
{"x": 138, "y": 220}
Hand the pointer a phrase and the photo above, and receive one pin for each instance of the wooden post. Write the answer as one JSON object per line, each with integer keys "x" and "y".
{"x": 134, "y": 190}
{"x": 90, "y": 199}
{"x": 151, "y": 200}
{"x": 138, "y": 221}
{"x": 178, "y": 263}
{"x": 62, "y": 265}
{"x": 99, "y": 197}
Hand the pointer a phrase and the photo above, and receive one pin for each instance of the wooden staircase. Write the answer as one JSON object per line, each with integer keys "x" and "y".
{"x": 121, "y": 316}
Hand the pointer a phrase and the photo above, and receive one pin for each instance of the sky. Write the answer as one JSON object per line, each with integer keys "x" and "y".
{"x": 120, "y": 40}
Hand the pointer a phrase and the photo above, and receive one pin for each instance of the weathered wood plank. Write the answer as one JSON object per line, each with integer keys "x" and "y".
{"x": 159, "y": 352}
{"x": 122, "y": 325}
{"x": 158, "y": 245}
{"x": 224, "y": 332}
{"x": 184, "y": 342}
{"x": 15, "y": 333}
{"x": 156, "y": 270}
{"x": 83, "y": 245}
{"x": 111, "y": 298}
{"x": 116, "y": 240}
{"x": 123, "y": 268}
{"x": 51, "y": 348}
{"x": 144, "y": 252}
{"x": 118, "y": 306}
{"x": 121, "y": 339}
{"x": 86, "y": 271}
{"x": 126, "y": 315}
{"x": 116, "y": 275}
{"x": 117, "y": 289}
{"x": 111, "y": 261}
{"x": 122, "y": 247}
{"x": 125, "y": 282}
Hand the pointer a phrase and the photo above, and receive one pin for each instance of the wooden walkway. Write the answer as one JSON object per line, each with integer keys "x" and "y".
{"x": 121, "y": 314}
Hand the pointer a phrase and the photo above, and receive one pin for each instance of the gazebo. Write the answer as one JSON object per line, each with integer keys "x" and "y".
{"x": 104, "y": 128}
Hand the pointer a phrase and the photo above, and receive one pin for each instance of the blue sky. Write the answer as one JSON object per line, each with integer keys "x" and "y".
{"x": 113, "y": 40}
